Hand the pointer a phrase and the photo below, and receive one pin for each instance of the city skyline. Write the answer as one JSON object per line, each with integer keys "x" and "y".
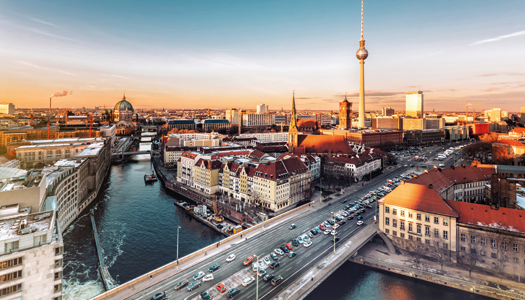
{"x": 183, "y": 55}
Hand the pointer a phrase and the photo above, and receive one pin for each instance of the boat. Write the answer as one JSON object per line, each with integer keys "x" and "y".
{"x": 150, "y": 178}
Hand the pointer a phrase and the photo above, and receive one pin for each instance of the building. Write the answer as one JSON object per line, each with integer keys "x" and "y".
{"x": 232, "y": 115}
{"x": 456, "y": 133}
{"x": 355, "y": 168}
{"x": 281, "y": 119}
{"x": 256, "y": 120}
{"x": 523, "y": 115}
{"x": 308, "y": 125}
{"x": 206, "y": 174}
{"x": 182, "y": 124}
{"x": 494, "y": 114}
{"x": 262, "y": 109}
{"x": 312, "y": 162}
{"x": 369, "y": 138}
{"x": 267, "y": 137}
{"x": 245, "y": 141}
{"x": 32, "y": 254}
{"x": 123, "y": 111}
{"x": 388, "y": 111}
{"x": 414, "y": 104}
{"x": 424, "y": 137}
{"x": 388, "y": 123}
{"x": 7, "y": 108}
{"x": 518, "y": 148}
{"x": 172, "y": 154}
{"x": 210, "y": 125}
{"x": 345, "y": 114}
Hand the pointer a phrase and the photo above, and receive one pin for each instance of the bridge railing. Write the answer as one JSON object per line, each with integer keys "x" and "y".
{"x": 196, "y": 253}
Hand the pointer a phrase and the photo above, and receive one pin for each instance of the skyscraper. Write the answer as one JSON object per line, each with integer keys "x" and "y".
{"x": 262, "y": 108}
{"x": 345, "y": 114}
{"x": 388, "y": 111}
{"x": 414, "y": 104}
{"x": 362, "y": 54}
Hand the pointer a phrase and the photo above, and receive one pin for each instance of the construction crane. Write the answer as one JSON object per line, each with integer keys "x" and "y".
{"x": 467, "y": 105}
{"x": 217, "y": 215}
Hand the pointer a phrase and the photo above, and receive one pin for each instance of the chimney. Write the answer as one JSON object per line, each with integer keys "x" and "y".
{"x": 426, "y": 171}
{"x": 453, "y": 168}
{"x": 402, "y": 182}
{"x": 463, "y": 165}
{"x": 430, "y": 187}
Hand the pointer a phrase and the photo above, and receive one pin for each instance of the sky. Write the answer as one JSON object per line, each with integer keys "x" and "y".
{"x": 224, "y": 54}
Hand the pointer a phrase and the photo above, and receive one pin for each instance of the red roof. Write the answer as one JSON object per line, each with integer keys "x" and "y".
{"x": 513, "y": 143}
{"x": 519, "y": 130}
{"x": 418, "y": 197}
{"x": 306, "y": 123}
{"x": 211, "y": 165}
{"x": 281, "y": 169}
{"x": 324, "y": 143}
{"x": 482, "y": 215}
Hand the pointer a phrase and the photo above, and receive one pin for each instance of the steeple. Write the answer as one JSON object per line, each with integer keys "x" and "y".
{"x": 124, "y": 97}
{"x": 293, "y": 121}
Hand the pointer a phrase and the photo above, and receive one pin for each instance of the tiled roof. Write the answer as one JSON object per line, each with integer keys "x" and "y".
{"x": 281, "y": 169}
{"x": 513, "y": 143}
{"x": 211, "y": 165}
{"x": 257, "y": 154}
{"x": 324, "y": 143}
{"x": 442, "y": 179}
{"x": 518, "y": 130}
{"x": 418, "y": 197}
{"x": 482, "y": 215}
{"x": 306, "y": 123}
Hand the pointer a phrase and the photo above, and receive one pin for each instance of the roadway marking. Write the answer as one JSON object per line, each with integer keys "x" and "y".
{"x": 288, "y": 269}
{"x": 189, "y": 296}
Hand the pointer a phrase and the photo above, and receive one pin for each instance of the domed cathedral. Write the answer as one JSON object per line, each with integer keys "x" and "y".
{"x": 123, "y": 111}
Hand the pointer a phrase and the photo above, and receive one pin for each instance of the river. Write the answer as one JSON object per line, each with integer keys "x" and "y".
{"x": 137, "y": 228}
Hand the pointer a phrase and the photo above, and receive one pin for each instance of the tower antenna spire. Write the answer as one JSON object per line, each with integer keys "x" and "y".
{"x": 362, "y": 23}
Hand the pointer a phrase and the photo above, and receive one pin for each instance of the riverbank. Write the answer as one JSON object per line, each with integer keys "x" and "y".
{"x": 452, "y": 275}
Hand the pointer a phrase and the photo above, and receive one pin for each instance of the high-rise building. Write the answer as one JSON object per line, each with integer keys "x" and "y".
{"x": 262, "y": 108}
{"x": 362, "y": 54}
{"x": 7, "y": 108}
{"x": 523, "y": 115}
{"x": 345, "y": 114}
{"x": 493, "y": 114}
{"x": 414, "y": 104}
{"x": 388, "y": 111}
{"x": 232, "y": 115}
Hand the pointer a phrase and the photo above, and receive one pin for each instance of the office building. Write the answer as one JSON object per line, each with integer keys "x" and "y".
{"x": 523, "y": 115}
{"x": 414, "y": 104}
{"x": 262, "y": 109}
{"x": 255, "y": 120}
{"x": 388, "y": 111}
{"x": 232, "y": 115}
{"x": 7, "y": 108}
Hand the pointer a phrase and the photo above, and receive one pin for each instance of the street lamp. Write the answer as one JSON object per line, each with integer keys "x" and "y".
{"x": 178, "y": 227}
{"x": 334, "y": 231}
{"x": 257, "y": 279}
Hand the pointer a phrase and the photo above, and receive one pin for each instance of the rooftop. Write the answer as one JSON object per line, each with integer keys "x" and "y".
{"x": 11, "y": 227}
{"x": 91, "y": 150}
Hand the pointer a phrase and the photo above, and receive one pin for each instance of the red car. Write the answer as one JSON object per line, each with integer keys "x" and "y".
{"x": 287, "y": 245}
{"x": 322, "y": 227}
{"x": 220, "y": 286}
{"x": 248, "y": 261}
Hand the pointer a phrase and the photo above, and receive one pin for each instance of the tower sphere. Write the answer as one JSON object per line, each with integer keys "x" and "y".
{"x": 361, "y": 54}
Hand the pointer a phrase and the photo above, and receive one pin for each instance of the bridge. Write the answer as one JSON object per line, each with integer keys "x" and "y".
{"x": 131, "y": 153}
{"x": 318, "y": 260}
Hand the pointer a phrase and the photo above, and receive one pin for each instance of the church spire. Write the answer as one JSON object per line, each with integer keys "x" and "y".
{"x": 293, "y": 121}
{"x": 124, "y": 97}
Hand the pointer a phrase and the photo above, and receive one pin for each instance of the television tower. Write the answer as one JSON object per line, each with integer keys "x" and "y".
{"x": 362, "y": 54}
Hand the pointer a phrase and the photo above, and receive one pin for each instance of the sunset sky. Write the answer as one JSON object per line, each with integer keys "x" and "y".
{"x": 221, "y": 54}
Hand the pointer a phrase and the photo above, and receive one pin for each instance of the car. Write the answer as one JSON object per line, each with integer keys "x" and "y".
{"x": 274, "y": 256}
{"x": 246, "y": 281}
{"x": 181, "y": 284}
{"x": 254, "y": 267}
{"x": 343, "y": 201}
{"x": 195, "y": 284}
{"x": 288, "y": 246}
{"x": 208, "y": 277}
{"x": 357, "y": 213}
{"x": 205, "y": 296}
{"x": 313, "y": 231}
{"x": 277, "y": 280}
{"x": 233, "y": 292}
{"x": 268, "y": 277}
{"x": 318, "y": 230}
{"x": 333, "y": 233}
{"x": 248, "y": 261}
{"x": 230, "y": 258}
{"x": 292, "y": 226}
{"x": 262, "y": 273}
{"x": 306, "y": 245}
{"x": 327, "y": 232}
{"x": 359, "y": 217}
{"x": 295, "y": 242}
{"x": 369, "y": 206}
{"x": 266, "y": 260}
{"x": 300, "y": 239}
{"x": 322, "y": 227}
{"x": 344, "y": 213}
{"x": 350, "y": 217}
{"x": 336, "y": 226}
{"x": 336, "y": 238}
{"x": 159, "y": 296}
{"x": 214, "y": 268}
{"x": 360, "y": 223}
{"x": 279, "y": 251}
{"x": 274, "y": 264}
{"x": 284, "y": 249}
{"x": 221, "y": 287}
{"x": 310, "y": 235}
{"x": 405, "y": 166}
{"x": 198, "y": 275}
{"x": 331, "y": 222}
{"x": 292, "y": 254}
{"x": 342, "y": 222}
{"x": 412, "y": 165}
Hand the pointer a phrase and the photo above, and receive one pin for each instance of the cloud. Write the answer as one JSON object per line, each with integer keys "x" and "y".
{"x": 28, "y": 64}
{"x": 501, "y": 37}
{"x": 447, "y": 90}
{"x": 502, "y": 73}
{"x": 305, "y": 98}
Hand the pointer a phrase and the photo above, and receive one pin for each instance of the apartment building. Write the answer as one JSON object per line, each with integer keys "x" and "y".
{"x": 267, "y": 137}
{"x": 206, "y": 175}
{"x": 35, "y": 156}
{"x": 254, "y": 120}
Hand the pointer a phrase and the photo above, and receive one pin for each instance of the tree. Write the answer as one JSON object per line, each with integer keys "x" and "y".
{"x": 439, "y": 253}
{"x": 472, "y": 257}
{"x": 415, "y": 252}
{"x": 489, "y": 137}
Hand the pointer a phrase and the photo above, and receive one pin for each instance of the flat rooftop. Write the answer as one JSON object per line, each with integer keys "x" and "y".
{"x": 11, "y": 227}
{"x": 91, "y": 150}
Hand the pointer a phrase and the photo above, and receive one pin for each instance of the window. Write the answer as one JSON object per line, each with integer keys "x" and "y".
{"x": 58, "y": 275}
{"x": 427, "y": 242}
{"x": 473, "y": 250}
{"x": 409, "y": 227}
{"x": 10, "y": 263}
{"x": 410, "y": 237}
{"x": 402, "y": 235}
{"x": 427, "y": 218}
{"x": 483, "y": 241}
{"x": 445, "y": 222}
{"x": 493, "y": 243}
{"x": 504, "y": 245}
{"x": 418, "y": 229}
{"x": 387, "y": 231}
{"x": 58, "y": 250}
{"x": 436, "y": 220}
{"x": 410, "y": 215}
{"x": 10, "y": 276}
{"x": 394, "y": 211}
{"x": 462, "y": 237}
{"x": 418, "y": 239}
{"x": 57, "y": 298}
{"x": 493, "y": 255}
{"x": 394, "y": 233}
{"x": 463, "y": 249}
{"x": 58, "y": 288}
{"x": 472, "y": 239}
{"x": 436, "y": 233}
{"x": 482, "y": 253}
{"x": 394, "y": 222}
{"x": 402, "y": 225}
{"x": 402, "y": 213}
{"x": 515, "y": 259}
{"x": 39, "y": 240}
{"x": 445, "y": 245}
{"x": 11, "y": 289}
{"x": 427, "y": 231}
{"x": 515, "y": 247}
{"x": 387, "y": 209}
{"x": 418, "y": 216}
{"x": 387, "y": 221}
{"x": 445, "y": 235}
{"x": 11, "y": 247}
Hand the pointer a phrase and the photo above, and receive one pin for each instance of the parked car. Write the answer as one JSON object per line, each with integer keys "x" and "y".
{"x": 327, "y": 232}
{"x": 274, "y": 264}
{"x": 313, "y": 231}
{"x": 214, "y": 268}
{"x": 310, "y": 235}
{"x": 284, "y": 249}
{"x": 181, "y": 284}
{"x": 233, "y": 292}
{"x": 350, "y": 217}
{"x": 205, "y": 296}
{"x": 248, "y": 261}
{"x": 288, "y": 246}
{"x": 195, "y": 284}
{"x": 266, "y": 260}
{"x": 277, "y": 280}
{"x": 322, "y": 227}
{"x": 359, "y": 217}
{"x": 159, "y": 296}
{"x": 262, "y": 273}
{"x": 246, "y": 281}
{"x": 220, "y": 287}
{"x": 230, "y": 258}
{"x": 208, "y": 277}
{"x": 278, "y": 251}
{"x": 292, "y": 254}
{"x": 274, "y": 256}
{"x": 306, "y": 245}
{"x": 268, "y": 277}
{"x": 198, "y": 275}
